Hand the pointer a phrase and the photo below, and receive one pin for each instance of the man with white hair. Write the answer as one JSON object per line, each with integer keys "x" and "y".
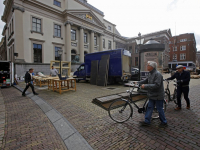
{"x": 183, "y": 80}
{"x": 154, "y": 85}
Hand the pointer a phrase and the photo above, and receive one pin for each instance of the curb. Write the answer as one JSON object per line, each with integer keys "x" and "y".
{"x": 70, "y": 136}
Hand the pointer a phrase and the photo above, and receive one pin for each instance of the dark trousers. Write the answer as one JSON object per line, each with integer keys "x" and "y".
{"x": 27, "y": 86}
{"x": 185, "y": 91}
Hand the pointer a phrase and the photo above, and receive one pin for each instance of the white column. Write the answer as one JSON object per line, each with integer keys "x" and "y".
{"x": 68, "y": 41}
{"x": 81, "y": 45}
{"x": 19, "y": 36}
{"x": 100, "y": 42}
{"x": 92, "y": 42}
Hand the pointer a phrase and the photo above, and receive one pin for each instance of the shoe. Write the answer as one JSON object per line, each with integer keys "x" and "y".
{"x": 23, "y": 94}
{"x": 36, "y": 94}
{"x": 143, "y": 123}
{"x": 162, "y": 125}
{"x": 188, "y": 107}
{"x": 177, "y": 108}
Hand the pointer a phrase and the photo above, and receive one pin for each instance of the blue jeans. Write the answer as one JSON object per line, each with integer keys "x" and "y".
{"x": 159, "y": 106}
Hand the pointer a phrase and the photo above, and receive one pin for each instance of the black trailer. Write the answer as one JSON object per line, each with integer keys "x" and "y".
{"x": 6, "y": 73}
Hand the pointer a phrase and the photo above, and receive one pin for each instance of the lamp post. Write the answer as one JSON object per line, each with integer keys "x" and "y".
{"x": 60, "y": 51}
{"x": 139, "y": 42}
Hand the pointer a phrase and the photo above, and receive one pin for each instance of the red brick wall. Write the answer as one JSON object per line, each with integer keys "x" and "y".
{"x": 190, "y": 47}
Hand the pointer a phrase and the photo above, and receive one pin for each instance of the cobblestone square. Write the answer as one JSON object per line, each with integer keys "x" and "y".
{"x": 94, "y": 124}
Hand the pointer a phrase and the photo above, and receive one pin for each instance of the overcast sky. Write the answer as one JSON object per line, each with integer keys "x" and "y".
{"x": 146, "y": 16}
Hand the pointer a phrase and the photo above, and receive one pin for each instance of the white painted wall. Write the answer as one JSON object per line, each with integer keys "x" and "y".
{"x": 48, "y": 30}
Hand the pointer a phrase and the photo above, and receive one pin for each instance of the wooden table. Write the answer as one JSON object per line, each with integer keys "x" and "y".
{"x": 40, "y": 81}
{"x": 50, "y": 82}
{"x": 62, "y": 85}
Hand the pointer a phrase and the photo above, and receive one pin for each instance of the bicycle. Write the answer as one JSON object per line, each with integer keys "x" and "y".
{"x": 121, "y": 109}
{"x": 168, "y": 95}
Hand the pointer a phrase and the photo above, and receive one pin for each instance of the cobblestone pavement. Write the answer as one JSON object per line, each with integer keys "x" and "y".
{"x": 26, "y": 126}
{"x": 93, "y": 122}
{"x": 2, "y": 118}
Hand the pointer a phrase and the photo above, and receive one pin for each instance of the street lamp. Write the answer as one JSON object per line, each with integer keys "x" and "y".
{"x": 60, "y": 51}
{"x": 139, "y": 42}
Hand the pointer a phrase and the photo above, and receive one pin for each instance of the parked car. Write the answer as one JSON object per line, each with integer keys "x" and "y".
{"x": 134, "y": 71}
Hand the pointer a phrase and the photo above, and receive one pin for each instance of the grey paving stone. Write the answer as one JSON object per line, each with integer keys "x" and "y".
{"x": 74, "y": 142}
{"x": 45, "y": 107}
{"x": 39, "y": 102}
{"x": 63, "y": 128}
{"x": 53, "y": 115}
{"x": 30, "y": 95}
{"x": 35, "y": 98}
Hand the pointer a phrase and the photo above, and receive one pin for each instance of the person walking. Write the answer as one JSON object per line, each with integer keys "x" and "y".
{"x": 183, "y": 80}
{"x": 155, "y": 92}
{"x": 29, "y": 82}
{"x": 53, "y": 71}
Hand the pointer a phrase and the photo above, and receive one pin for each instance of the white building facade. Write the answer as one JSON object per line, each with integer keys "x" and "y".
{"x": 36, "y": 30}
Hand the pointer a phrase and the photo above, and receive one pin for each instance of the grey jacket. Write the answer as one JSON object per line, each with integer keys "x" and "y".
{"x": 154, "y": 85}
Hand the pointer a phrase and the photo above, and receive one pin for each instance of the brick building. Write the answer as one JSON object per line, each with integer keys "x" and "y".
{"x": 182, "y": 51}
{"x": 162, "y": 37}
{"x": 198, "y": 59}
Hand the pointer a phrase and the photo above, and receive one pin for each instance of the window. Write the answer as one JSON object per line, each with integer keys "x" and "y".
{"x": 36, "y": 24}
{"x": 8, "y": 32}
{"x": 130, "y": 48}
{"x": 73, "y": 35}
{"x": 169, "y": 49}
{"x": 136, "y": 61}
{"x": 109, "y": 44}
{"x": 182, "y": 56}
{"x": 10, "y": 28}
{"x": 37, "y": 50}
{"x": 57, "y": 56}
{"x": 183, "y": 40}
{"x": 109, "y": 27}
{"x": 174, "y": 56}
{"x": 85, "y": 53}
{"x": 104, "y": 43}
{"x": 57, "y": 30}
{"x": 85, "y": 37}
{"x": 136, "y": 50}
{"x": 175, "y": 48}
{"x": 74, "y": 56}
{"x": 170, "y": 42}
{"x": 95, "y": 40}
{"x": 81, "y": 67}
{"x": 57, "y": 3}
{"x": 183, "y": 48}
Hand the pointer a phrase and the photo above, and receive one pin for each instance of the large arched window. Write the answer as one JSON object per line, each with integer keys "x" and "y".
{"x": 74, "y": 56}
{"x": 85, "y": 53}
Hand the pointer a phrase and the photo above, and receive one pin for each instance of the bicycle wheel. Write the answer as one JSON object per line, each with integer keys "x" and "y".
{"x": 120, "y": 110}
{"x": 175, "y": 96}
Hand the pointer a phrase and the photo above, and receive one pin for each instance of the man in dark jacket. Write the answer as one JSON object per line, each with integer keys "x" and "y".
{"x": 28, "y": 81}
{"x": 154, "y": 85}
{"x": 183, "y": 80}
